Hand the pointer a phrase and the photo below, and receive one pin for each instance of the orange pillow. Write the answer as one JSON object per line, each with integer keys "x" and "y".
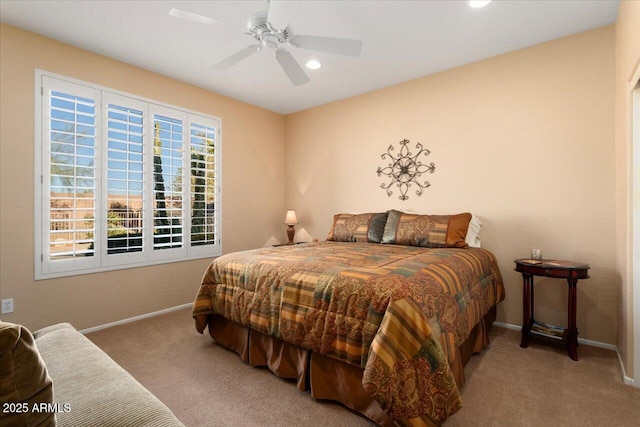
{"x": 429, "y": 231}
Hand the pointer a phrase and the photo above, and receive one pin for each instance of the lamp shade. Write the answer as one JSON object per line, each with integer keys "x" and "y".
{"x": 291, "y": 218}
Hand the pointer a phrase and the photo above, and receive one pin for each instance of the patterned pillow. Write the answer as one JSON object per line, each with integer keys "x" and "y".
{"x": 367, "y": 227}
{"x": 430, "y": 231}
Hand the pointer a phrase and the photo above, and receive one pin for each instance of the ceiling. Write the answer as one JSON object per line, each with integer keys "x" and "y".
{"x": 402, "y": 40}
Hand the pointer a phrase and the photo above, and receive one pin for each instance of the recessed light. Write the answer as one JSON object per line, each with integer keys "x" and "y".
{"x": 313, "y": 64}
{"x": 478, "y": 3}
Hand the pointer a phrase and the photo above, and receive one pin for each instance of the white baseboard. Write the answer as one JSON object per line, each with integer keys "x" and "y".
{"x": 133, "y": 319}
{"x": 625, "y": 378}
{"x": 580, "y": 340}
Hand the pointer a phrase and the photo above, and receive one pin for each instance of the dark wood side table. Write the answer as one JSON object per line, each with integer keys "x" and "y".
{"x": 570, "y": 270}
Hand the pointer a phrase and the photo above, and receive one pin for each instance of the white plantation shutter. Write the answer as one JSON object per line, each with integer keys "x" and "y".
{"x": 123, "y": 181}
{"x": 125, "y": 217}
{"x": 203, "y": 181}
{"x": 168, "y": 168}
{"x": 72, "y": 175}
{"x": 69, "y": 156}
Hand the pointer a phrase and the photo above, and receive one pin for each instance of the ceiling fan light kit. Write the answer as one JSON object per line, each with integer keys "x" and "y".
{"x": 271, "y": 30}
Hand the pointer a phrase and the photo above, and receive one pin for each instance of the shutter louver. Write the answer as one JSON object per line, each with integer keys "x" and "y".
{"x": 203, "y": 184}
{"x": 125, "y": 180}
{"x": 167, "y": 182}
{"x": 72, "y": 181}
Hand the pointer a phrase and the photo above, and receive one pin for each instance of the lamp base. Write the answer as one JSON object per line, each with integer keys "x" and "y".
{"x": 290, "y": 233}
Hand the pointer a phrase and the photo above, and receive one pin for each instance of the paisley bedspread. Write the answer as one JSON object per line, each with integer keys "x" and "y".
{"x": 398, "y": 312}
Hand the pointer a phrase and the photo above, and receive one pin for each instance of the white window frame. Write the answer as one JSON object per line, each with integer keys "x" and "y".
{"x": 46, "y": 268}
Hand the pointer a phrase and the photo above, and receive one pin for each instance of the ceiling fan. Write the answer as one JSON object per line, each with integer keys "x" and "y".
{"x": 270, "y": 28}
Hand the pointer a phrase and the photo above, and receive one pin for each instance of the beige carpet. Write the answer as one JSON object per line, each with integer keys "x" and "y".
{"x": 206, "y": 385}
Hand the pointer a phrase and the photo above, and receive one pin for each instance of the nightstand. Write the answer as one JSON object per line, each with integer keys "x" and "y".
{"x": 570, "y": 270}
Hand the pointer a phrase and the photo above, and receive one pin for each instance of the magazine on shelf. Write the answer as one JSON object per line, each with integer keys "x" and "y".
{"x": 546, "y": 329}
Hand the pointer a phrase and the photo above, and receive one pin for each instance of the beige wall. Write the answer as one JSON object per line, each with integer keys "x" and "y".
{"x": 627, "y": 73}
{"x": 523, "y": 140}
{"x": 253, "y": 198}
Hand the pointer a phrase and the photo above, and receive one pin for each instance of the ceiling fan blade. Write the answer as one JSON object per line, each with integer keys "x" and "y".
{"x": 281, "y": 12}
{"x": 190, "y": 16}
{"x": 288, "y": 63}
{"x": 229, "y": 62}
{"x": 339, "y": 46}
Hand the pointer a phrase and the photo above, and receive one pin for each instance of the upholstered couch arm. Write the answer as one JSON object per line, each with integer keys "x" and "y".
{"x": 93, "y": 390}
{"x": 89, "y": 388}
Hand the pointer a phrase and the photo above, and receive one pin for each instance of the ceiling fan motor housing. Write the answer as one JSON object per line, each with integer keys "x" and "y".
{"x": 261, "y": 30}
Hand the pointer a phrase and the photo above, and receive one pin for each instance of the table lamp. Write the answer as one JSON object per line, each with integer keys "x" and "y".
{"x": 291, "y": 220}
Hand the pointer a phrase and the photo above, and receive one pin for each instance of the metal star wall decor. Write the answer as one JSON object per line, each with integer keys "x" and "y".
{"x": 405, "y": 169}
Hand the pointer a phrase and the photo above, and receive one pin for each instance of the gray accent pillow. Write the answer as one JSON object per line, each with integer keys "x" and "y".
{"x": 391, "y": 225}
{"x": 376, "y": 227}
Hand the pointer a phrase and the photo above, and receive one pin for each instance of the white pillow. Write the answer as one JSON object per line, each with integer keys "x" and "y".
{"x": 472, "y": 238}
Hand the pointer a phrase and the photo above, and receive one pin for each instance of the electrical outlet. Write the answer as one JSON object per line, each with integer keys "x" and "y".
{"x": 7, "y": 306}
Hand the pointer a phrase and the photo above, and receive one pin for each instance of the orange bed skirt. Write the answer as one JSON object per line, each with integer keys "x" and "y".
{"x": 324, "y": 377}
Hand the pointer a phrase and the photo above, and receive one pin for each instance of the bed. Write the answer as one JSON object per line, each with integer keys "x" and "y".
{"x": 363, "y": 318}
